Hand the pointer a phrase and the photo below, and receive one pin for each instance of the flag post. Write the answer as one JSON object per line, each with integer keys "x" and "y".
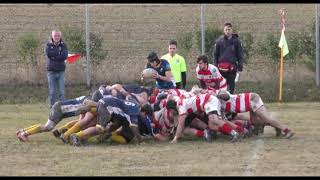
{"x": 281, "y": 74}
{"x": 283, "y": 51}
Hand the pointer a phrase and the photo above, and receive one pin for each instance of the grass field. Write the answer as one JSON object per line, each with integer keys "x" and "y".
{"x": 259, "y": 156}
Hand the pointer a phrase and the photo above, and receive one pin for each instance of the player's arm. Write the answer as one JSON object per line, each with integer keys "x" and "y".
{"x": 180, "y": 127}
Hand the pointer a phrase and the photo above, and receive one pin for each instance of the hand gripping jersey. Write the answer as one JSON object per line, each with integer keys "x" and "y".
{"x": 243, "y": 102}
{"x": 126, "y": 109}
{"x": 198, "y": 104}
{"x": 211, "y": 76}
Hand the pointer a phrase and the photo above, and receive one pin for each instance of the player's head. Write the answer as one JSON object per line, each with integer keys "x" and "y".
{"x": 202, "y": 61}
{"x": 153, "y": 59}
{"x": 223, "y": 94}
{"x": 147, "y": 110}
{"x": 172, "y": 47}
{"x": 96, "y": 95}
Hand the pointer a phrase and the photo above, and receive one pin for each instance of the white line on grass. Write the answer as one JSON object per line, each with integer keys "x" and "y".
{"x": 255, "y": 156}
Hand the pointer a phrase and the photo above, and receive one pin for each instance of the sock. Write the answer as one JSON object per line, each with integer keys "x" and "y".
{"x": 75, "y": 128}
{"x": 239, "y": 129}
{"x": 238, "y": 123}
{"x": 30, "y": 127}
{"x": 118, "y": 138}
{"x": 80, "y": 134}
{"x": 225, "y": 129}
{"x": 33, "y": 129}
{"x": 68, "y": 125}
{"x": 200, "y": 133}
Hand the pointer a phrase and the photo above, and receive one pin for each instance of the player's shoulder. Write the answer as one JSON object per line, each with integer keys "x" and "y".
{"x": 164, "y": 62}
{"x": 212, "y": 68}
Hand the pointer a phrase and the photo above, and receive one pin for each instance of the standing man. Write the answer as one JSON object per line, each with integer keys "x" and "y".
{"x": 228, "y": 56}
{"x": 177, "y": 64}
{"x": 56, "y": 52}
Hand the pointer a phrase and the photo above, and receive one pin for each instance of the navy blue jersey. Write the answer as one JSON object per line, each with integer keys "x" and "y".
{"x": 103, "y": 92}
{"x": 163, "y": 67}
{"x": 145, "y": 127}
{"x": 121, "y": 107}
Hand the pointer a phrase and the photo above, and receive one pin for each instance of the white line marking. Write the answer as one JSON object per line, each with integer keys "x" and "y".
{"x": 255, "y": 156}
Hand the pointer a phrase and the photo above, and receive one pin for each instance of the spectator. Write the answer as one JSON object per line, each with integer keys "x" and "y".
{"x": 177, "y": 64}
{"x": 228, "y": 56}
{"x": 56, "y": 52}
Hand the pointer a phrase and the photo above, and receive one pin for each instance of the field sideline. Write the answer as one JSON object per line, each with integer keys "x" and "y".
{"x": 258, "y": 156}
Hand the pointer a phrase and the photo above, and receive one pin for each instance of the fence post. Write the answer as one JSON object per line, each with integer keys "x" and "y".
{"x": 317, "y": 47}
{"x": 88, "y": 75}
{"x": 202, "y": 30}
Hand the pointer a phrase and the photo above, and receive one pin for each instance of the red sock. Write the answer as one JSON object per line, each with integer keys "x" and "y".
{"x": 225, "y": 129}
{"x": 239, "y": 129}
{"x": 286, "y": 130}
{"x": 200, "y": 133}
{"x": 238, "y": 123}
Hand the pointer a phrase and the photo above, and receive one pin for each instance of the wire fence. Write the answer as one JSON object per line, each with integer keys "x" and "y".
{"x": 130, "y": 31}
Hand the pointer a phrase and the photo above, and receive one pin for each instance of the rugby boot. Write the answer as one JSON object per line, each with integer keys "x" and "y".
{"x": 207, "y": 135}
{"x": 289, "y": 133}
{"x": 57, "y": 133}
{"x": 234, "y": 136}
{"x": 75, "y": 140}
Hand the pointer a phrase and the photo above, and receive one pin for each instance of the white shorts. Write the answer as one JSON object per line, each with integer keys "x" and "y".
{"x": 255, "y": 102}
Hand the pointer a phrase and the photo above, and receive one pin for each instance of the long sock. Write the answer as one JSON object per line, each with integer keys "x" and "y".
{"x": 200, "y": 133}
{"x": 286, "y": 130}
{"x": 239, "y": 129}
{"x": 33, "y": 129}
{"x": 238, "y": 123}
{"x": 74, "y": 129}
{"x": 68, "y": 125}
{"x": 225, "y": 129}
{"x": 30, "y": 127}
{"x": 118, "y": 138}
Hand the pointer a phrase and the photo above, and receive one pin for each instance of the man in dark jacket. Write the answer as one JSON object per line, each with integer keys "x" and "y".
{"x": 228, "y": 56}
{"x": 56, "y": 52}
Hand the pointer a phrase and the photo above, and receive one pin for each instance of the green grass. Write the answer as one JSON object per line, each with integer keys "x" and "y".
{"x": 45, "y": 155}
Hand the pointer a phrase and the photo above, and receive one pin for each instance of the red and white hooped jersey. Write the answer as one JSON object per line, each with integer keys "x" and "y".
{"x": 211, "y": 76}
{"x": 180, "y": 93}
{"x": 198, "y": 103}
{"x": 237, "y": 103}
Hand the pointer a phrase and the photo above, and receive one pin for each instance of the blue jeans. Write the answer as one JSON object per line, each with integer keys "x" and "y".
{"x": 56, "y": 86}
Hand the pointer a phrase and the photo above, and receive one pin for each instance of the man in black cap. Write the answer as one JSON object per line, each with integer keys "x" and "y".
{"x": 164, "y": 78}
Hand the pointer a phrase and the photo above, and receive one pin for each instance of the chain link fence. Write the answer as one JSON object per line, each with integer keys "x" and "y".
{"x": 130, "y": 31}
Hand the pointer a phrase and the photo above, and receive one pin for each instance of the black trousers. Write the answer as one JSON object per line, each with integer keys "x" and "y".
{"x": 230, "y": 77}
{"x": 178, "y": 85}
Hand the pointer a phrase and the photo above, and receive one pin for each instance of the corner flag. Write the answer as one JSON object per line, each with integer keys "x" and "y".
{"x": 283, "y": 43}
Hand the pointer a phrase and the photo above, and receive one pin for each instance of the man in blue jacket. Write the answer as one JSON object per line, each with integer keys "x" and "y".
{"x": 56, "y": 52}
